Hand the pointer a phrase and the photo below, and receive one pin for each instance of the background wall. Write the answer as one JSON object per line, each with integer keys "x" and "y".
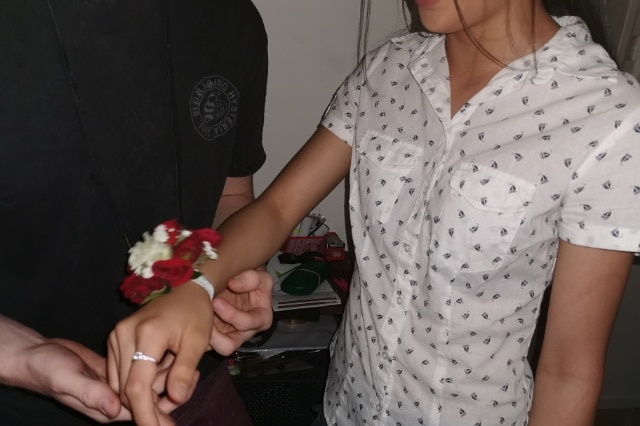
{"x": 312, "y": 48}
{"x": 621, "y": 387}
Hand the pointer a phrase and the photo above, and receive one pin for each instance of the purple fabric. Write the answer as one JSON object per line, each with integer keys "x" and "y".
{"x": 215, "y": 402}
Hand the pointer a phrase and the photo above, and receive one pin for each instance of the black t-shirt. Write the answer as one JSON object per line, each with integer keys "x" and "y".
{"x": 115, "y": 115}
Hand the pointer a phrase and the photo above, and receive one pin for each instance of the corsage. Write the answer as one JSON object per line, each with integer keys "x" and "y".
{"x": 167, "y": 258}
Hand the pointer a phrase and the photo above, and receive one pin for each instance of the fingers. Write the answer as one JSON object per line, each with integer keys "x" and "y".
{"x": 95, "y": 399}
{"x": 251, "y": 280}
{"x": 159, "y": 384}
{"x": 256, "y": 318}
{"x": 134, "y": 379}
{"x": 225, "y": 343}
{"x": 139, "y": 395}
{"x": 75, "y": 377}
{"x": 165, "y": 405}
{"x": 241, "y": 311}
{"x": 183, "y": 372}
{"x": 247, "y": 303}
{"x": 180, "y": 323}
{"x": 99, "y": 396}
{"x": 113, "y": 364}
{"x": 138, "y": 377}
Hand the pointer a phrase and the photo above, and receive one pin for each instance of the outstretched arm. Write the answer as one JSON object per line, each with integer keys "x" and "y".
{"x": 237, "y": 193}
{"x": 181, "y": 321}
{"x": 244, "y": 308}
{"x": 587, "y": 288}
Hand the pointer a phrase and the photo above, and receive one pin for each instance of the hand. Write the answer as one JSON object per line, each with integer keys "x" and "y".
{"x": 75, "y": 376}
{"x": 241, "y": 311}
{"x": 177, "y": 323}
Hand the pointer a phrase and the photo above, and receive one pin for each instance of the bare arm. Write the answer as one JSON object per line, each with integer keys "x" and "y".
{"x": 60, "y": 369}
{"x": 244, "y": 308}
{"x": 15, "y": 339}
{"x": 587, "y": 288}
{"x": 181, "y": 321}
{"x": 237, "y": 193}
{"x": 253, "y": 234}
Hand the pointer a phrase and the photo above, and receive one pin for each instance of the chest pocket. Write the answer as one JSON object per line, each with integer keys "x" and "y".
{"x": 383, "y": 175}
{"x": 478, "y": 224}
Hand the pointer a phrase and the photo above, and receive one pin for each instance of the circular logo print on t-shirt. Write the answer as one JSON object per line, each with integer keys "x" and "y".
{"x": 214, "y": 106}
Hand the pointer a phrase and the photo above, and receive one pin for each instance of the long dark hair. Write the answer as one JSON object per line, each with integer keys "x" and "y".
{"x": 363, "y": 29}
{"x": 590, "y": 11}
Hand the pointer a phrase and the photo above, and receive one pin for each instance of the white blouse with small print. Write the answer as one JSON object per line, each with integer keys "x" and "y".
{"x": 456, "y": 221}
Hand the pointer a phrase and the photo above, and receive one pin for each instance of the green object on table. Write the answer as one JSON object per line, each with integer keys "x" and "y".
{"x": 306, "y": 278}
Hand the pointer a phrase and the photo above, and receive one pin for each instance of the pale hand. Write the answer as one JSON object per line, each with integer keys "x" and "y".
{"x": 75, "y": 376}
{"x": 241, "y": 311}
{"x": 177, "y": 323}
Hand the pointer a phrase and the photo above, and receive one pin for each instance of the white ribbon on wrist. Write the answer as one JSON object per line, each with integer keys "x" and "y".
{"x": 203, "y": 282}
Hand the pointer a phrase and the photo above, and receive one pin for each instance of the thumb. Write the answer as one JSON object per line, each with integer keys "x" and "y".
{"x": 167, "y": 406}
{"x": 245, "y": 282}
{"x": 183, "y": 373}
{"x": 96, "y": 395}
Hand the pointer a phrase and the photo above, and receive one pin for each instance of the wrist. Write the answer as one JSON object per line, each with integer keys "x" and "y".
{"x": 205, "y": 284}
{"x": 16, "y": 345}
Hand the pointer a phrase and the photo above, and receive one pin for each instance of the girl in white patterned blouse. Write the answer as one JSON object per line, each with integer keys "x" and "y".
{"x": 488, "y": 158}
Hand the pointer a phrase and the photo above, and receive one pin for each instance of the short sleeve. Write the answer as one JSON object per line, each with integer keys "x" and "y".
{"x": 602, "y": 205}
{"x": 248, "y": 151}
{"x": 340, "y": 115}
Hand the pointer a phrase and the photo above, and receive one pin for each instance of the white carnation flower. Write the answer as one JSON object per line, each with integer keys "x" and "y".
{"x": 161, "y": 234}
{"x": 144, "y": 253}
{"x": 209, "y": 251}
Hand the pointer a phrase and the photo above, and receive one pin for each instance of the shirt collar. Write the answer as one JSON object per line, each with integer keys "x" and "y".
{"x": 572, "y": 52}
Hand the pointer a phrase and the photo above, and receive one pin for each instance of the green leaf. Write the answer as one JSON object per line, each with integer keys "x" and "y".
{"x": 156, "y": 294}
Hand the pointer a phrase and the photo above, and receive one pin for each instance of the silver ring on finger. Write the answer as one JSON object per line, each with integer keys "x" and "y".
{"x": 141, "y": 356}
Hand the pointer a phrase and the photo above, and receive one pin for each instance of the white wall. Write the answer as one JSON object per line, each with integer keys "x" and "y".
{"x": 312, "y": 49}
{"x": 623, "y": 20}
{"x": 621, "y": 388}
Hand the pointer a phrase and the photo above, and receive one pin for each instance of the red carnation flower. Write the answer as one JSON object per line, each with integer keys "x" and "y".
{"x": 175, "y": 271}
{"x": 137, "y": 289}
{"x": 208, "y": 234}
{"x": 188, "y": 249}
{"x": 173, "y": 230}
